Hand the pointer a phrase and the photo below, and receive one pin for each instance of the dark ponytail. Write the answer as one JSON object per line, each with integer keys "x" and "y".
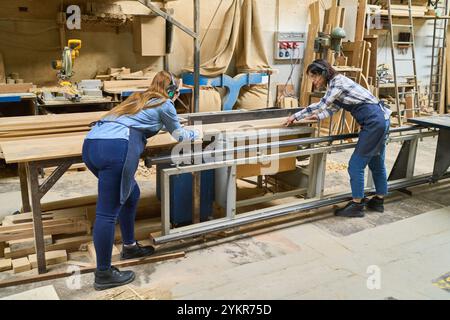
{"x": 322, "y": 68}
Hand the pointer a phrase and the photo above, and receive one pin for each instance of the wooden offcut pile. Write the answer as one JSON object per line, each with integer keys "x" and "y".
{"x": 67, "y": 229}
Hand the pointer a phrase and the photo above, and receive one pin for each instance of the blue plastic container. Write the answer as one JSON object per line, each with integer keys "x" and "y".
{"x": 181, "y": 195}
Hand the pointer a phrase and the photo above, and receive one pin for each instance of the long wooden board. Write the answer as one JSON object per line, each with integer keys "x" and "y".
{"x": 62, "y": 147}
{"x": 2, "y": 70}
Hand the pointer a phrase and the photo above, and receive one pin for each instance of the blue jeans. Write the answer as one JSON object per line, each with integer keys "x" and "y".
{"x": 357, "y": 165}
{"x": 105, "y": 159}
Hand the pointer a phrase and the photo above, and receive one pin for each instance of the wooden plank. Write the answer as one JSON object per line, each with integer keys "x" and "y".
{"x": 355, "y": 52}
{"x": 5, "y": 264}
{"x": 21, "y": 265}
{"x": 120, "y": 85}
{"x": 60, "y": 147}
{"x": 58, "y": 275}
{"x": 57, "y": 226}
{"x": 442, "y": 102}
{"x": 360, "y": 20}
{"x": 115, "y": 256}
{"x": 309, "y": 55}
{"x": 69, "y": 244}
{"x": 409, "y": 106}
{"x": 49, "y": 121}
{"x": 15, "y": 245}
{"x": 48, "y": 215}
{"x": 373, "y": 40}
{"x": 15, "y": 88}
{"x": 342, "y": 18}
{"x": 2, "y": 70}
{"x": 142, "y": 229}
{"x": 447, "y": 80}
{"x": 366, "y": 63}
{"x": 72, "y": 203}
{"x": 51, "y": 258}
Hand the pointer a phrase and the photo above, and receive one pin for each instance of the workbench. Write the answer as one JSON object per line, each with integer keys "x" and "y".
{"x": 102, "y": 103}
{"x": 6, "y": 99}
{"x": 442, "y": 159}
{"x": 62, "y": 152}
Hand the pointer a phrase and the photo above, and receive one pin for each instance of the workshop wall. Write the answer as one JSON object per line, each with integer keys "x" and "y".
{"x": 276, "y": 15}
{"x": 30, "y": 40}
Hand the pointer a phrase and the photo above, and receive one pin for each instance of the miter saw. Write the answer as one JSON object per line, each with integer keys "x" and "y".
{"x": 65, "y": 69}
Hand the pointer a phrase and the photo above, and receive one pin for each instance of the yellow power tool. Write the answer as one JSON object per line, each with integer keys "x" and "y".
{"x": 65, "y": 66}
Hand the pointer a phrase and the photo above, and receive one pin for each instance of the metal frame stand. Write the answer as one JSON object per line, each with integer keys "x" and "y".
{"x": 316, "y": 198}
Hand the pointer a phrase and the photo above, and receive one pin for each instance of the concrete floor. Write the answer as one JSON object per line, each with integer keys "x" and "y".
{"x": 400, "y": 254}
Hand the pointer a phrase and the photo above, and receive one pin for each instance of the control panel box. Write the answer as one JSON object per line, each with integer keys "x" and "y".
{"x": 289, "y": 46}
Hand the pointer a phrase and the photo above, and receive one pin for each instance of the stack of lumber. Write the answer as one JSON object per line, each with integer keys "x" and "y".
{"x": 399, "y": 10}
{"x": 17, "y": 242}
{"x": 118, "y": 86}
{"x": 32, "y": 127}
{"x": 67, "y": 229}
{"x": 53, "y": 147}
{"x": 309, "y": 55}
{"x": 124, "y": 73}
{"x": 334, "y": 17}
{"x": 15, "y": 88}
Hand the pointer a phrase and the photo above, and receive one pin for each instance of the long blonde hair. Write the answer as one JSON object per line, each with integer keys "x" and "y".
{"x": 137, "y": 101}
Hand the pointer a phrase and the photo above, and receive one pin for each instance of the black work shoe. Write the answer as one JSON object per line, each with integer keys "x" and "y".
{"x": 136, "y": 251}
{"x": 112, "y": 278}
{"x": 376, "y": 204}
{"x": 352, "y": 209}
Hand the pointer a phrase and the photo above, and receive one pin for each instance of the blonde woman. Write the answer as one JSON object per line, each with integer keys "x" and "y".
{"x": 111, "y": 150}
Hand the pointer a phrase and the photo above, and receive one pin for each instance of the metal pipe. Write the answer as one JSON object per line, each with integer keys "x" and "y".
{"x": 237, "y": 115}
{"x": 265, "y": 146}
{"x": 196, "y": 55}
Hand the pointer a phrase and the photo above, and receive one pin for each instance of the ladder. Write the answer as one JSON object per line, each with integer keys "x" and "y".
{"x": 437, "y": 56}
{"x": 400, "y": 81}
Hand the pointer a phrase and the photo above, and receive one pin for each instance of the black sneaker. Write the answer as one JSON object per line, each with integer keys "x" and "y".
{"x": 352, "y": 210}
{"x": 112, "y": 278}
{"x": 376, "y": 204}
{"x": 136, "y": 251}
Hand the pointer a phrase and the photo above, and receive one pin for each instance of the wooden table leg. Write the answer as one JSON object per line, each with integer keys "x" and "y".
{"x": 24, "y": 188}
{"x": 33, "y": 184}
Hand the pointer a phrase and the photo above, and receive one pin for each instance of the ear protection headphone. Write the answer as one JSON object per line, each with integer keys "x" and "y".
{"x": 323, "y": 68}
{"x": 172, "y": 88}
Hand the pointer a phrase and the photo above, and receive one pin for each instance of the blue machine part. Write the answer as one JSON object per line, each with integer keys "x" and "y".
{"x": 181, "y": 195}
{"x": 126, "y": 94}
{"x": 233, "y": 85}
{"x": 10, "y": 98}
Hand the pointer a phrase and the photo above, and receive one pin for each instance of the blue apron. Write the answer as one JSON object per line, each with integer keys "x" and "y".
{"x": 370, "y": 116}
{"x": 136, "y": 145}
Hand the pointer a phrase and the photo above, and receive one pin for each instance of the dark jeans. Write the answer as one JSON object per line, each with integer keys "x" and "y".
{"x": 357, "y": 165}
{"x": 105, "y": 158}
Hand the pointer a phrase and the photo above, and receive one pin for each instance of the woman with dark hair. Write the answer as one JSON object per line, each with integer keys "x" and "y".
{"x": 371, "y": 115}
{"x": 111, "y": 151}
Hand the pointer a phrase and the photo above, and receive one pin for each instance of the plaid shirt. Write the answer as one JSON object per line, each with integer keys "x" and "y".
{"x": 342, "y": 89}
